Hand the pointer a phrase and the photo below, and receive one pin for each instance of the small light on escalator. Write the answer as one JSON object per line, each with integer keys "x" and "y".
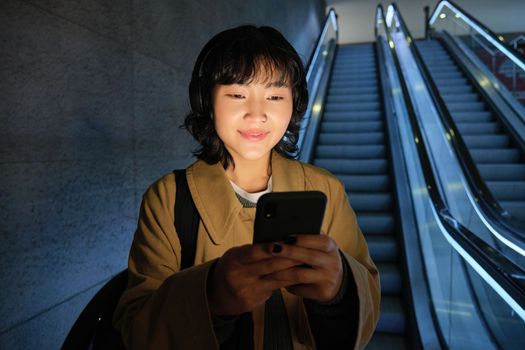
{"x": 448, "y": 136}
{"x": 325, "y": 53}
{"x": 457, "y": 15}
{"x": 443, "y": 15}
{"x": 316, "y": 108}
{"x": 391, "y": 43}
{"x": 417, "y": 140}
{"x": 501, "y": 38}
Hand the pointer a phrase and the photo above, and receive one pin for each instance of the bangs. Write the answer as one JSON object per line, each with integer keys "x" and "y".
{"x": 260, "y": 62}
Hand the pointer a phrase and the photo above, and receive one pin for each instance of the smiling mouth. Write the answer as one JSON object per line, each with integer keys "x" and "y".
{"x": 254, "y": 135}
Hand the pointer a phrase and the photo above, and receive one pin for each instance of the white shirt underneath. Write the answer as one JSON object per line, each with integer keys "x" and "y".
{"x": 252, "y": 197}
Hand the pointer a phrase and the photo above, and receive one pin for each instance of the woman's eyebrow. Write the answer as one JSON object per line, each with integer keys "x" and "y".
{"x": 278, "y": 84}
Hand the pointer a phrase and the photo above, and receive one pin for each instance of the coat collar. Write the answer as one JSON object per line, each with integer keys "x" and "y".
{"x": 215, "y": 198}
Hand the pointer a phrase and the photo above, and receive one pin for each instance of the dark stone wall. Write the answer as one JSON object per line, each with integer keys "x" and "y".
{"x": 92, "y": 93}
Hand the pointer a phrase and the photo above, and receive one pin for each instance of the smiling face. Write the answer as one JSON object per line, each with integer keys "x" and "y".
{"x": 252, "y": 118}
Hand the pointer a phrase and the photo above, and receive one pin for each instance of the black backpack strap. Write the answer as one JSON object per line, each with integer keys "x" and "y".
{"x": 187, "y": 219}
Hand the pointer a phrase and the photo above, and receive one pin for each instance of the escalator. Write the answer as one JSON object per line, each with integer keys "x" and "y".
{"x": 353, "y": 145}
{"x": 498, "y": 158}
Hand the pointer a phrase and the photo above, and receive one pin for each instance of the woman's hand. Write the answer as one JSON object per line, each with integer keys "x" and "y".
{"x": 237, "y": 284}
{"x": 322, "y": 278}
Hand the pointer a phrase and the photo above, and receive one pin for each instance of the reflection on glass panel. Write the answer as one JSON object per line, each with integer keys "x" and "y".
{"x": 503, "y": 66}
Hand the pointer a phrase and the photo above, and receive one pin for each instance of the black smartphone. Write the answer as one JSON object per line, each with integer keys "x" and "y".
{"x": 281, "y": 214}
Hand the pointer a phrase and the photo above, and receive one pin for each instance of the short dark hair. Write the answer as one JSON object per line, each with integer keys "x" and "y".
{"x": 235, "y": 56}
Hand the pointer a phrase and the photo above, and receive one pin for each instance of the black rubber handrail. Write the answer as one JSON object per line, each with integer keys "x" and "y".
{"x": 495, "y": 214}
{"x": 319, "y": 37}
{"x": 515, "y": 53}
{"x": 422, "y": 320}
{"x": 507, "y": 274}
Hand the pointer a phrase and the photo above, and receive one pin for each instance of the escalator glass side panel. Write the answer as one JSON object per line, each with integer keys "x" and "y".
{"x": 508, "y": 66}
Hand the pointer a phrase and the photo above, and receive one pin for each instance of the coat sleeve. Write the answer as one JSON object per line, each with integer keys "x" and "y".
{"x": 161, "y": 307}
{"x": 358, "y": 312}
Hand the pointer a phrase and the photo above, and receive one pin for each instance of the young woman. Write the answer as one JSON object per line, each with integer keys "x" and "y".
{"x": 248, "y": 94}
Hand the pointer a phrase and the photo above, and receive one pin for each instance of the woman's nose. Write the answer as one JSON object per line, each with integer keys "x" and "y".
{"x": 256, "y": 110}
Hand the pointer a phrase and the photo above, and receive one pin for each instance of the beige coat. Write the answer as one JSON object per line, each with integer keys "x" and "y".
{"x": 163, "y": 308}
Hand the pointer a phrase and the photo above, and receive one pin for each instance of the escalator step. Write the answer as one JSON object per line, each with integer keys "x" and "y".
{"x": 353, "y": 106}
{"x": 352, "y": 126}
{"x": 392, "y": 318}
{"x": 390, "y": 279}
{"x": 352, "y": 115}
{"x": 353, "y": 167}
{"x": 333, "y": 91}
{"x": 352, "y": 84}
{"x": 365, "y": 183}
{"x": 368, "y": 97}
{"x": 507, "y": 190}
{"x": 502, "y": 155}
{"x": 368, "y": 138}
{"x": 465, "y": 106}
{"x": 371, "y": 202}
{"x": 381, "y": 341}
{"x": 502, "y": 172}
{"x": 353, "y": 152}
{"x": 473, "y": 117}
{"x": 478, "y": 128}
{"x": 376, "y": 223}
{"x": 486, "y": 141}
{"x": 456, "y": 89}
{"x": 515, "y": 208}
{"x": 382, "y": 248}
{"x": 460, "y": 97}
{"x": 448, "y": 82}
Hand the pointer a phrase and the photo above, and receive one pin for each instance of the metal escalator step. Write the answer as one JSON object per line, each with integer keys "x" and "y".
{"x": 443, "y": 69}
{"x": 486, "y": 141}
{"x": 343, "y": 77}
{"x": 353, "y": 167}
{"x": 365, "y": 183}
{"x": 371, "y": 202}
{"x": 443, "y": 63}
{"x": 352, "y": 84}
{"x": 472, "y": 117}
{"x": 460, "y": 97}
{"x": 465, "y": 106}
{"x": 352, "y": 106}
{"x": 376, "y": 223}
{"x": 448, "y": 82}
{"x": 382, "y": 341}
{"x": 352, "y": 115}
{"x": 501, "y": 155}
{"x": 515, "y": 208}
{"x": 368, "y": 138}
{"x": 390, "y": 278}
{"x": 392, "y": 318}
{"x": 352, "y": 126}
{"x": 353, "y": 152}
{"x": 354, "y": 73}
{"x": 455, "y": 89}
{"x": 446, "y": 74}
{"x": 353, "y": 98}
{"x": 502, "y": 172}
{"x": 478, "y": 128}
{"x": 351, "y": 91}
{"x": 382, "y": 248}
{"x": 507, "y": 190}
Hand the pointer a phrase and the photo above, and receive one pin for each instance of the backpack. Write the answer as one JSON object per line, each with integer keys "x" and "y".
{"x": 93, "y": 329}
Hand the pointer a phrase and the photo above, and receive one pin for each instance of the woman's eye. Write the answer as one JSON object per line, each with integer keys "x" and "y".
{"x": 275, "y": 98}
{"x": 236, "y": 96}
